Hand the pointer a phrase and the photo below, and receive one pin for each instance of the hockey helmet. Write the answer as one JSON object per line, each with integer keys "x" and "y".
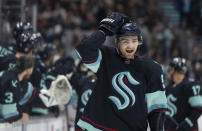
{"x": 47, "y": 50}
{"x": 26, "y": 42}
{"x": 20, "y": 27}
{"x": 130, "y": 29}
{"x": 179, "y": 64}
{"x": 39, "y": 39}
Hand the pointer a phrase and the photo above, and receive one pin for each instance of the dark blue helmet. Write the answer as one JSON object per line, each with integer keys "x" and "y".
{"x": 26, "y": 42}
{"x": 63, "y": 66}
{"x": 47, "y": 51}
{"x": 21, "y": 27}
{"x": 179, "y": 64}
{"x": 130, "y": 29}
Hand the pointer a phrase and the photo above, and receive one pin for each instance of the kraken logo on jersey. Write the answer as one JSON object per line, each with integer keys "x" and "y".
{"x": 123, "y": 87}
{"x": 14, "y": 83}
{"x": 11, "y": 66}
{"x": 171, "y": 107}
{"x": 85, "y": 97}
{"x": 4, "y": 52}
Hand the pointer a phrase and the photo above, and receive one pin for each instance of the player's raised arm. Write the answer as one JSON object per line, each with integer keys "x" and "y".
{"x": 88, "y": 49}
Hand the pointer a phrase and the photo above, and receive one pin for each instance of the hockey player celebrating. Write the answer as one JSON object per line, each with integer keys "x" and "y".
{"x": 129, "y": 90}
{"x": 184, "y": 99}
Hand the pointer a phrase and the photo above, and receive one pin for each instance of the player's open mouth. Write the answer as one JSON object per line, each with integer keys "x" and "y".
{"x": 129, "y": 51}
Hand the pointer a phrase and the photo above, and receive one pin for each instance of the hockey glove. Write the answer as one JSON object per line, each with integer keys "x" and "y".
{"x": 183, "y": 126}
{"x": 58, "y": 94}
{"x": 112, "y": 23}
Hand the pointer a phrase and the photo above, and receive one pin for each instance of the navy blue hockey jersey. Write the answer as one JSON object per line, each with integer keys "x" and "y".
{"x": 125, "y": 93}
{"x": 184, "y": 104}
{"x": 6, "y": 49}
{"x": 14, "y": 95}
{"x": 8, "y": 62}
{"x": 84, "y": 88}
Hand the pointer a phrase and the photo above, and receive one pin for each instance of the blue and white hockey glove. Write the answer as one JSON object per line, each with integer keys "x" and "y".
{"x": 112, "y": 23}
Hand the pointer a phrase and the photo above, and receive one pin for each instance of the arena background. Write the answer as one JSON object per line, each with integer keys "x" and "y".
{"x": 169, "y": 27}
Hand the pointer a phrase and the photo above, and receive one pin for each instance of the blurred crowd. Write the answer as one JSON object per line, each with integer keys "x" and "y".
{"x": 68, "y": 21}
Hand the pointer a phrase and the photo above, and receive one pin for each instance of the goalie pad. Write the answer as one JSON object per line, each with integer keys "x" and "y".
{"x": 59, "y": 93}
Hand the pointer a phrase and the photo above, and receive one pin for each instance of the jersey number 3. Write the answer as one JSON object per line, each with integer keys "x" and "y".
{"x": 9, "y": 97}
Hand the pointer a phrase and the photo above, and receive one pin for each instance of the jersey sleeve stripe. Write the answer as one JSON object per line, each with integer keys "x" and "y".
{"x": 199, "y": 108}
{"x": 159, "y": 110}
{"x": 85, "y": 125}
{"x": 14, "y": 117}
{"x": 40, "y": 110}
{"x": 32, "y": 97}
{"x": 78, "y": 54}
{"x": 195, "y": 101}
{"x": 95, "y": 65}
{"x": 89, "y": 61}
{"x": 28, "y": 94}
{"x": 189, "y": 122}
{"x": 50, "y": 77}
{"x": 8, "y": 110}
{"x": 89, "y": 127}
{"x": 156, "y": 100}
{"x": 156, "y": 106}
{"x": 85, "y": 61}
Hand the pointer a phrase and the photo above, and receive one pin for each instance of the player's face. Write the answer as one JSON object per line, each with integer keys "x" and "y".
{"x": 170, "y": 73}
{"x": 128, "y": 46}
